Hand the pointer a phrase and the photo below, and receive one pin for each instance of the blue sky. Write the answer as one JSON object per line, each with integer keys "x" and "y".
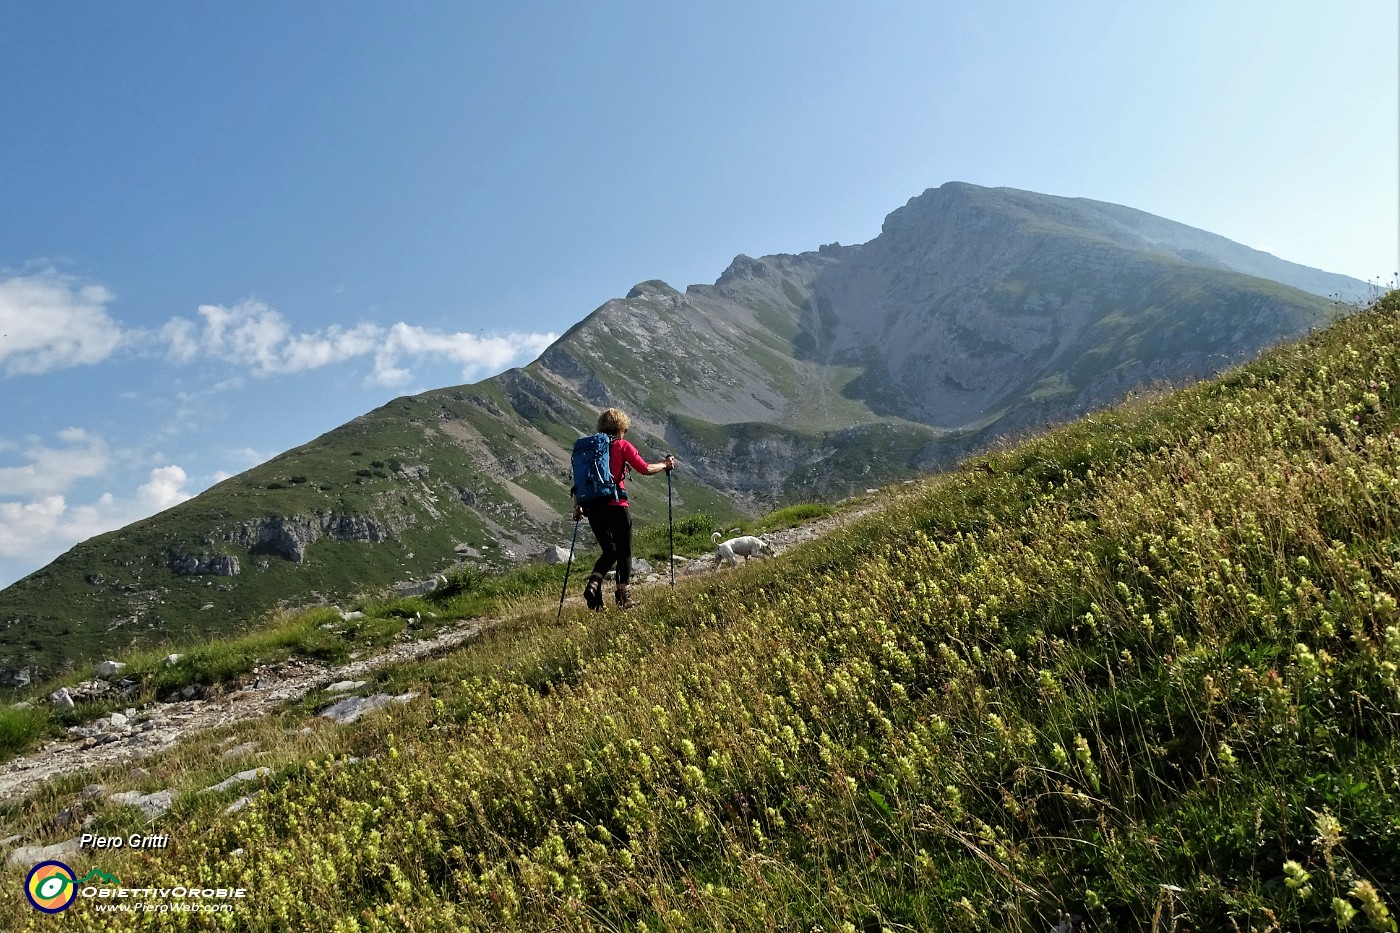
{"x": 227, "y": 228}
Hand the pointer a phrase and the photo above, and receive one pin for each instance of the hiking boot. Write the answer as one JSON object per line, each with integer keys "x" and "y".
{"x": 623, "y": 600}
{"x": 593, "y": 592}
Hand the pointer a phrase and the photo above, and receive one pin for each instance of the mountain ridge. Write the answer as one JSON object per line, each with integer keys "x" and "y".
{"x": 976, "y": 313}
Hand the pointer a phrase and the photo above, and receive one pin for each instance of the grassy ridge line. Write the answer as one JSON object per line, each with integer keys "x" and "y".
{"x": 1144, "y": 674}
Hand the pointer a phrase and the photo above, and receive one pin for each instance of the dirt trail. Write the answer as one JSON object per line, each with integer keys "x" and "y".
{"x": 163, "y": 725}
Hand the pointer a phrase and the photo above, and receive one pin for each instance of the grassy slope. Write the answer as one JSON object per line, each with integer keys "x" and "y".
{"x": 1144, "y": 673}
{"x": 56, "y": 620}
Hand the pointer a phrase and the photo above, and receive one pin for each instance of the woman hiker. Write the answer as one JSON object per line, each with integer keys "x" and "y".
{"x": 610, "y": 520}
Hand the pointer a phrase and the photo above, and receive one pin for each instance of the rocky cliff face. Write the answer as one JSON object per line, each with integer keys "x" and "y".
{"x": 193, "y": 565}
{"x": 289, "y": 536}
{"x": 974, "y": 313}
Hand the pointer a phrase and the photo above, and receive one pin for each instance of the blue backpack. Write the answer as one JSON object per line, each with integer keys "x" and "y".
{"x": 593, "y": 479}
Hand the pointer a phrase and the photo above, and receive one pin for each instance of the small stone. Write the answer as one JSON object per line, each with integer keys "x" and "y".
{"x": 117, "y": 721}
{"x": 241, "y": 802}
{"x": 109, "y": 669}
{"x": 23, "y": 704}
{"x": 241, "y": 777}
{"x": 28, "y": 855}
{"x": 239, "y": 751}
{"x": 352, "y": 708}
{"x": 139, "y": 774}
{"x": 170, "y": 660}
{"x": 153, "y": 805}
{"x": 345, "y": 686}
{"x": 93, "y": 790}
{"x": 62, "y": 699}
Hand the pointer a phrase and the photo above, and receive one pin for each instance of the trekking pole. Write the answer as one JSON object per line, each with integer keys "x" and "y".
{"x": 671, "y": 527}
{"x": 567, "y": 568}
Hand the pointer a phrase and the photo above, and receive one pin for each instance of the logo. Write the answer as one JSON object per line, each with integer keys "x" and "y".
{"x": 51, "y": 887}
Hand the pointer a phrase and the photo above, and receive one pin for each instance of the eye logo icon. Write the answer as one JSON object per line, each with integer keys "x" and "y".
{"x": 51, "y": 887}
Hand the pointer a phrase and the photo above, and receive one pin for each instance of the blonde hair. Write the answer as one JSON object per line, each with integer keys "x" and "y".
{"x": 614, "y": 421}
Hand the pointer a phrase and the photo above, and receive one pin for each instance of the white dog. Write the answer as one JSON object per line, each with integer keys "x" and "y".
{"x": 745, "y": 546}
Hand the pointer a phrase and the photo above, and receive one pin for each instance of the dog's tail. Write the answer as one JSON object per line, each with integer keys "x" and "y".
{"x": 714, "y": 538}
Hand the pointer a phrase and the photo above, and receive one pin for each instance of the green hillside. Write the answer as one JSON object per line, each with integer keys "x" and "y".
{"x": 1140, "y": 673}
{"x": 976, "y": 314}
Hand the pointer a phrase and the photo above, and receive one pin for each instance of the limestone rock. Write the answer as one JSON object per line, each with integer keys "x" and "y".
{"x": 153, "y": 805}
{"x": 290, "y": 535}
{"x": 109, "y": 669}
{"x": 242, "y": 777}
{"x": 415, "y": 587}
{"x": 29, "y": 855}
{"x": 216, "y": 565}
{"x": 241, "y": 802}
{"x": 352, "y": 708}
{"x": 62, "y": 699}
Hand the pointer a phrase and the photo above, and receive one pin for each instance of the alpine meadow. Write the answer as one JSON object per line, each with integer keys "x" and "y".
{"x": 1141, "y": 671}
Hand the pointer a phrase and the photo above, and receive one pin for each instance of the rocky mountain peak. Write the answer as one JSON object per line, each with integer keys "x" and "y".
{"x": 652, "y": 288}
{"x": 743, "y": 267}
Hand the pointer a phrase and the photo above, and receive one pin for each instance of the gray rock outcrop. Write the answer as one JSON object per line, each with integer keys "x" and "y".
{"x": 233, "y": 780}
{"x": 109, "y": 669}
{"x": 288, "y": 536}
{"x": 29, "y": 855}
{"x": 217, "y": 565}
{"x": 153, "y": 805}
{"x": 352, "y": 708}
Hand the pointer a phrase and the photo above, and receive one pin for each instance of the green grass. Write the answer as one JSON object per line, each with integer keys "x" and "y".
{"x": 1142, "y": 673}
{"x": 20, "y": 728}
{"x": 791, "y": 516}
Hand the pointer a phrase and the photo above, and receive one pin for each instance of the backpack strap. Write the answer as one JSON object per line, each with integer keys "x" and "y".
{"x": 620, "y": 475}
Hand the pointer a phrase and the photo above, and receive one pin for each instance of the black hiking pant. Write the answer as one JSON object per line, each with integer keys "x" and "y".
{"x": 612, "y": 526}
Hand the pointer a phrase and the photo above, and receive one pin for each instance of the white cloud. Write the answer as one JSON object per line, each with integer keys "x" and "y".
{"x": 255, "y": 336}
{"x": 53, "y": 470}
{"x": 165, "y": 488}
{"x": 47, "y": 525}
{"x": 39, "y": 518}
{"x": 48, "y": 321}
{"x": 473, "y": 353}
{"x": 51, "y": 321}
